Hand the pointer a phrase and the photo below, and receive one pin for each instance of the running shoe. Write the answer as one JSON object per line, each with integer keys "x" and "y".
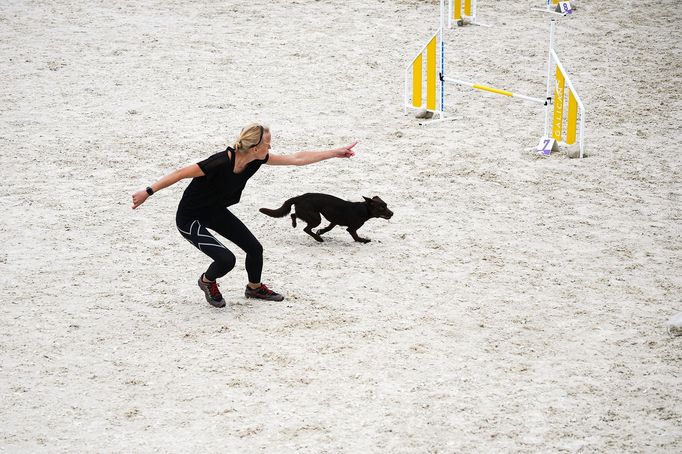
{"x": 212, "y": 293}
{"x": 263, "y": 293}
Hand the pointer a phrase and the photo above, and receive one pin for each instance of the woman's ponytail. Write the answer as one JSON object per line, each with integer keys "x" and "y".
{"x": 251, "y": 136}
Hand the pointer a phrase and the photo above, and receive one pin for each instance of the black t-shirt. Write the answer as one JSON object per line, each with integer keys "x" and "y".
{"x": 220, "y": 187}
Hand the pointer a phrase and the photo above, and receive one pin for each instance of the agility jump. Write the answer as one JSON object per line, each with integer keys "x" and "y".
{"x": 461, "y": 12}
{"x": 558, "y": 83}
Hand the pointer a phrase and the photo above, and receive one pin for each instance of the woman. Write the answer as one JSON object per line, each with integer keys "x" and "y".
{"x": 218, "y": 182}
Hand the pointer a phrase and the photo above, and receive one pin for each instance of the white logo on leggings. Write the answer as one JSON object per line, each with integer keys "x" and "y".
{"x": 197, "y": 234}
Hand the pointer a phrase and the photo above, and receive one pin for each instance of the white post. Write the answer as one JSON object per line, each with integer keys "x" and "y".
{"x": 406, "y": 95}
{"x": 450, "y": 6}
{"x": 549, "y": 74}
{"x": 442, "y": 59}
{"x": 582, "y": 133}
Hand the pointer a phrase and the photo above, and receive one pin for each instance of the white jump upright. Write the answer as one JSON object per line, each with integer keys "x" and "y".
{"x": 564, "y": 111}
{"x": 426, "y": 92}
{"x": 556, "y": 104}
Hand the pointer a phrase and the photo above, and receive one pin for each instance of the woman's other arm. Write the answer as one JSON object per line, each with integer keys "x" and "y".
{"x": 190, "y": 171}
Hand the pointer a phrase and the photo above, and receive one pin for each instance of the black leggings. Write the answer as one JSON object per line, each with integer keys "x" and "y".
{"x": 194, "y": 230}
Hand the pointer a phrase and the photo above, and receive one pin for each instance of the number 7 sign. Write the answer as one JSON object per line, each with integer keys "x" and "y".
{"x": 546, "y": 146}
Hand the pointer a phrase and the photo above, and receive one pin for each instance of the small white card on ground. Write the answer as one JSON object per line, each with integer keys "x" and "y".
{"x": 564, "y": 7}
{"x": 546, "y": 146}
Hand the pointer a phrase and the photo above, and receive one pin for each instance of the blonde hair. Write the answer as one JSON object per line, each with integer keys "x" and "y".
{"x": 251, "y": 136}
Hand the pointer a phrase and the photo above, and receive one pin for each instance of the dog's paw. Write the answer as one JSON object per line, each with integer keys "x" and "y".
{"x": 365, "y": 240}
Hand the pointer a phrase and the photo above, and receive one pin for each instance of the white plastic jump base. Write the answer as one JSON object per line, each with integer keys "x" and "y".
{"x": 674, "y": 325}
{"x": 468, "y": 21}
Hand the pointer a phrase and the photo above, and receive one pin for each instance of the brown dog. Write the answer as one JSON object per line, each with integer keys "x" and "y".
{"x": 353, "y": 215}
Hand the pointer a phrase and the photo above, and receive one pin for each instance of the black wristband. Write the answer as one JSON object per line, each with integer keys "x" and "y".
{"x": 149, "y": 190}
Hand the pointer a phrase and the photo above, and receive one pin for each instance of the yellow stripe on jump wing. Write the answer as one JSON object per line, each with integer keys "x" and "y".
{"x": 572, "y": 119}
{"x": 457, "y": 9}
{"x": 431, "y": 74}
{"x": 467, "y": 8}
{"x": 558, "y": 117}
{"x": 417, "y": 81}
{"x": 492, "y": 90}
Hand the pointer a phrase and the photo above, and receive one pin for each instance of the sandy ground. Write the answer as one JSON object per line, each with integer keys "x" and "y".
{"x": 513, "y": 303}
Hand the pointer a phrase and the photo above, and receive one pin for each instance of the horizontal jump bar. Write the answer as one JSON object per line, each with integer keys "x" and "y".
{"x": 496, "y": 90}
{"x": 549, "y": 11}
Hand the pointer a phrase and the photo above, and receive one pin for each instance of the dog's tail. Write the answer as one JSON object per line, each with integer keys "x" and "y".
{"x": 281, "y": 211}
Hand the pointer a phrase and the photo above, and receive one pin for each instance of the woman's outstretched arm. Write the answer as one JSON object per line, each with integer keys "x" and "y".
{"x": 309, "y": 157}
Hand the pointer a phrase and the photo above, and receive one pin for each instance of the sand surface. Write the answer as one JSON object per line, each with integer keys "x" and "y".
{"x": 514, "y": 303}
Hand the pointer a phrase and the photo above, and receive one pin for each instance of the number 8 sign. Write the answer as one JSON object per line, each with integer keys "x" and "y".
{"x": 564, "y": 7}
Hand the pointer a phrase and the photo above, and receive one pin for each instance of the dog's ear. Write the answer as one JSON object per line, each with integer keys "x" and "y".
{"x": 367, "y": 199}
